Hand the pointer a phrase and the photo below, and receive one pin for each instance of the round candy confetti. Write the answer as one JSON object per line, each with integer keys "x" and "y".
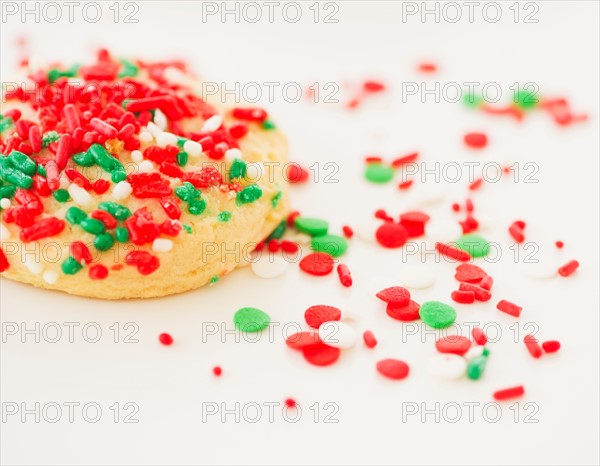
{"x": 391, "y": 235}
{"x": 417, "y": 277}
{"x": 395, "y": 295}
{"x": 300, "y": 340}
{"x": 475, "y": 245}
{"x": 454, "y": 344}
{"x": 442, "y": 231}
{"x": 319, "y": 314}
{"x": 317, "y": 263}
{"x": 476, "y": 140}
{"x": 321, "y": 354}
{"x": 337, "y": 334}
{"x": 447, "y": 366}
{"x": 165, "y": 339}
{"x": 311, "y": 226}
{"x": 333, "y": 245}
{"x": 378, "y": 172}
{"x": 407, "y": 313}
{"x": 393, "y": 369}
{"x": 469, "y": 273}
{"x": 217, "y": 371}
{"x": 250, "y": 319}
{"x": 269, "y": 266}
{"x": 551, "y": 346}
{"x": 437, "y": 314}
{"x": 366, "y": 229}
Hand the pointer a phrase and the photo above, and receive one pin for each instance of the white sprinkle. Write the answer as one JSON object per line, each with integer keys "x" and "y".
{"x": 162, "y": 245}
{"x": 212, "y": 124}
{"x": 474, "y": 352}
{"x": 269, "y": 265}
{"x": 79, "y": 195}
{"x": 122, "y": 190}
{"x": 153, "y": 129}
{"x": 137, "y": 156}
{"x": 193, "y": 148}
{"x": 5, "y": 203}
{"x": 146, "y": 137}
{"x": 231, "y": 154}
{"x": 447, "y": 366}
{"x": 337, "y": 334}
{"x": 160, "y": 119}
{"x": 417, "y": 277}
{"x": 146, "y": 166}
{"x": 50, "y": 276}
{"x": 166, "y": 139}
{"x": 64, "y": 181}
{"x": 174, "y": 75}
{"x": 33, "y": 266}
{"x": 4, "y": 233}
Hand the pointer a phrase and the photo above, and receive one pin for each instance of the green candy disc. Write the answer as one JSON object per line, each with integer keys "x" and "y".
{"x": 437, "y": 314}
{"x": 378, "y": 172}
{"x": 333, "y": 245}
{"x": 311, "y": 226}
{"x": 475, "y": 245}
{"x": 250, "y": 319}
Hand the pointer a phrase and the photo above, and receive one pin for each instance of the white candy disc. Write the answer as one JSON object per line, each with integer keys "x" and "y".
{"x": 443, "y": 231}
{"x": 337, "y": 334}
{"x": 447, "y": 366}
{"x": 269, "y": 266}
{"x": 365, "y": 229}
{"x": 416, "y": 277}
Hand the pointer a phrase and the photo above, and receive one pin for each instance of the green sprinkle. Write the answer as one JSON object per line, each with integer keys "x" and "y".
{"x": 71, "y": 266}
{"x": 476, "y": 366}
{"x": 15, "y": 177}
{"x": 437, "y": 314}
{"x": 214, "y": 279}
{"x": 118, "y": 211}
{"x": 75, "y": 215}
{"x": 104, "y": 159}
{"x": 237, "y": 169}
{"x": 122, "y": 234}
{"x": 475, "y": 245}
{"x": 61, "y": 195}
{"x": 128, "y": 69}
{"x": 92, "y": 225}
{"x": 311, "y": 226}
{"x": 333, "y": 245}
{"x": 275, "y": 199}
{"x": 472, "y": 100}
{"x": 22, "y": 162}
{"x": 188, "y": 229}
{"x": 7, "y": 192}
{"x": 181, "y": 141}
{"x": 268, "y": 125}
{"x": 187, "y": 192}
{"x": 224, "y": 216}
{"x": 5, "y": 124}
{"x": 378, "y": 172}
{"x": 486, "y": 352}
{"x": 50, "y": 137}
{"x": 85, "y": 159}
{"x": 182, "y": 159}
{"x": 41, "y": 170}
{"x": 526, "y": 100}
{"x": 118, "y": 175}
{"x": 250, "y": 319}
{"x": 104, "y": 241}
{"x": 249, "y": 194}
{"x": 196, "y": 207}
{"x": 278, "y": 232}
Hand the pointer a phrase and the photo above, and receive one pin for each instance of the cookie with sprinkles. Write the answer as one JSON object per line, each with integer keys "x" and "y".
{"x": 129, "y": 184}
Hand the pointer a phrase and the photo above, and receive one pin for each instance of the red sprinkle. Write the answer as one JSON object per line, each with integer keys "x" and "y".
{"x": 44, "y": 228}
{"x": 81, "y": 252}
{"x": 98, "y": 272}
{"x": 395, "y": 295}
{"x": 516, "y": 231}
{"x": 290, "y": 403}
{"x": 393, "y": 369}
{"x": 63, "y": 151}
{"x": 568, "y": 268}
{"x": 369, "y": 339}
{"x": 145, "y": 262}
{"x": 344, "y": 275}
{"x": 321, "y": 313}
{"x": 291, "y": 219}
{"x": 469, "y": 273}
{"x": 456, "y": 207}
{"x": 391, "y": 235}
{"x": 405, "y": 159}
{"x": 427, "y": 67}
{"x": 481, "y": 294}
{"x": 507, "y": 393}
{"x": 452, "y": 252}
{"x": 479, "y": 336}
{"x": 321, "y": 354}
{"x": 551, "y": 346}
{"x": 405, "y": 184}
{"x": 463, "y": 297}
{"x": 35, "y": 139}
{"x": 559, "y": 244}
{"x": 296, "y": 174}
{"x": 109, "y": 221}
{"x": 250, "y": 114}
{"x": 373, "y": 86}
{"x": 383, "y": 215}
{"x": 317, "y": 263}
{"x": 486, "y": 283}
{"x": 165, "y": 339}
{"x": 4, "y": 264}
{"x": 510, "y": 308}
{"x": 217, "y": 371}
{"x": 475, "y": 185}
{"x": 454, "y": 344}
{"x": 476, "y": 140}
{"x": 348, "y": 232}
{"x": 406, "y": 313}
{"x": 532, "y": 346}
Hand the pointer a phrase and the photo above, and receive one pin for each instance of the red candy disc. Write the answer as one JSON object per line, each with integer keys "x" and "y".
{"x": 393, "y": 368}
{"x": 321, "y": 354}
{"x": 317, "y": 263}
{"x": 395, "y": 295}
{"x": 469, "y": 273}
{"x": 454, "y": 344}
{"x": 301, "y": 340}
{"x": 476, "y": 140}
{"x": 406, "y": 313}
{"x": 316, "y": 315}
{"x": 391, "y": 235}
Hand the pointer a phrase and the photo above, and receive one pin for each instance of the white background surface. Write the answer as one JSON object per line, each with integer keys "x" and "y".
{"x": 169, "y": 385}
